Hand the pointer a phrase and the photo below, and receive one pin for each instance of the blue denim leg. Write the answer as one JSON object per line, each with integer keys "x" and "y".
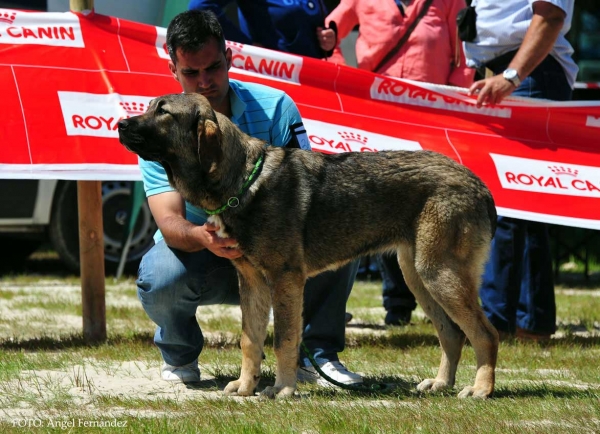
{"x": 537, "y": 307}
{"x": 502, "y": 276}
{"x": 171, "y": 285}
{"x": 518, "y": 285}
{"x": 325, "y": 299}
{"x": 395, "y": 290}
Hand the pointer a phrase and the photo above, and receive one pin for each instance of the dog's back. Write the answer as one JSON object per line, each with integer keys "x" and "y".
{"x": 367, "y": 201}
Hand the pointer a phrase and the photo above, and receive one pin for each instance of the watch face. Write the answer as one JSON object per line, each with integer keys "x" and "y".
{"x": 510, "y": 74}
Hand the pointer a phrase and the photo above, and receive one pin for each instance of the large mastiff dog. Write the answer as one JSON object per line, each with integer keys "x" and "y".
{"x": 297, "y": 213}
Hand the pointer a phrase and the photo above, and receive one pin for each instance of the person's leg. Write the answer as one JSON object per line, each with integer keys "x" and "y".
{"x": 501, "y": 281}
{"x": 325, "y": 298}
{"x": 537, "y": 307}
{"x": 536, "y": 313}
{"x": 519, "y": 263}
{"x": 398, "y": 300}
{"x": 171, "y": 285}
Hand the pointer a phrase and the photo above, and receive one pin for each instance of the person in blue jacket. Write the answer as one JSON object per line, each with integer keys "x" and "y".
{"x": 292, "y": 26}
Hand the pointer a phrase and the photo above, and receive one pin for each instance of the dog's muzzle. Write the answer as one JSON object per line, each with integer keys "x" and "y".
{"x": 123, "y": 124}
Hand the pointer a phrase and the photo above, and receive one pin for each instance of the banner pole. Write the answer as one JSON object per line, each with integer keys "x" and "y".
{"x": 91, "y": 241}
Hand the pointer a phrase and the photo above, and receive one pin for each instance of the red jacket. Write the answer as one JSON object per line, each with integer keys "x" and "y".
{"x": 432, "y": 54}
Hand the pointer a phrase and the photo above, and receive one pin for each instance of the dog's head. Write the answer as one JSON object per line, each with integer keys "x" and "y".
{"x": 180, "y": 131}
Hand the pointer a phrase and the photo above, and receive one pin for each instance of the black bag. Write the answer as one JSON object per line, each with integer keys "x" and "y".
{"x": 466, "y": 24}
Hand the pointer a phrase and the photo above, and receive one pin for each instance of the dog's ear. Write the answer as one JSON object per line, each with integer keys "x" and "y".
{"x": 210, "y": 151}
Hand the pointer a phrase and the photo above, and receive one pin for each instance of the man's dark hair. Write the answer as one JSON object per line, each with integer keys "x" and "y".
{"x": 191, "y": 30}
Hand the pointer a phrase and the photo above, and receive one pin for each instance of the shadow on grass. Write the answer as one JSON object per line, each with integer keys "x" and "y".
{"x": 544, "y": 391}
{"x": 401, "y": 341}
{"x": 391, "y": 386}
{"x": 51, "y": 343}
{"x": 578, "y": 280}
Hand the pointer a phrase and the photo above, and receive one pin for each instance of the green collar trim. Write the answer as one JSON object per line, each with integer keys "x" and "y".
{"x": 234, "y": 201}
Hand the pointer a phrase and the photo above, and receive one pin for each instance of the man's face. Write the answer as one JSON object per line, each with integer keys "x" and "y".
{"x": 205, "y": 72}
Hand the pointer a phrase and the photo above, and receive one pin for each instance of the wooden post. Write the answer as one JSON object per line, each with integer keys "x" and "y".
{"x": 91, "y": 258}
{"x": 91, "y": 242}
{"x": 81, "y": 5}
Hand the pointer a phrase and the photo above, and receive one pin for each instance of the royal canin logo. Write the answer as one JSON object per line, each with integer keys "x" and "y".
{"x": 133, "y": 108}
{"x": 87, "y": 114}
{"x": 331, "y": 138}
{"x": 7, "y": 17}
{"x": 562, "y": 170}
{"x": 275, "y": 65}
{"x": 55, "y": 29}
{"x": 516, "y": 173}
{"x": 402, "y": 92}
{"x": 352, "y": 136}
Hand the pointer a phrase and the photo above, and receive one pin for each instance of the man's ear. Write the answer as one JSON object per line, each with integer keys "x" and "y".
{"x": 228, "y": 57}
{"x": 210, "y": 151}
{"x": 173, "y": 69}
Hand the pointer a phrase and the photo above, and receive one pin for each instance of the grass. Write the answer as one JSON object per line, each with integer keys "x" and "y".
{"x": 51, "y": 380}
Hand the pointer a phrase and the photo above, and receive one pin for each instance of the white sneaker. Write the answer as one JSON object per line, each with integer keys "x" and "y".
{"x": 335, "y": 370}
{"x": 189, "y": 373}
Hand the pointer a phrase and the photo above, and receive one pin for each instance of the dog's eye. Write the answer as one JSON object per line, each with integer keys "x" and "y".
{"x": 161, "y": 111}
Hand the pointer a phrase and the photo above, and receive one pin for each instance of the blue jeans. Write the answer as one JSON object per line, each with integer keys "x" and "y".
{"x": 172, "y": 284}
{"x": 518, "y": 285}
{"x": 395, "y": 290}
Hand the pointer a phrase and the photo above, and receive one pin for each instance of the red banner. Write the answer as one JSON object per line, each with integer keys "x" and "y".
{"x": 67, "y": 79}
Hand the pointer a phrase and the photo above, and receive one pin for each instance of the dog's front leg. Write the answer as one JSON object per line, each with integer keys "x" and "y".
{"x": 288, "y": 292}
{"x": 255, "y": 301}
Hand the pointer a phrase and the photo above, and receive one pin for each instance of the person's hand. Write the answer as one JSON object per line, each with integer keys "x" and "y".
{"x": 326, "y": 38}
{"x": 223, "y": 247}
{"x": 491, "y": 91}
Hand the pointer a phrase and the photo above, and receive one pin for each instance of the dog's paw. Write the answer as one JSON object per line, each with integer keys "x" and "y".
{"x": 272, "y": 392}
{"x": 432, "y": 385}
{"x": 238, "y": 388}
{"x": 473, "y": 392}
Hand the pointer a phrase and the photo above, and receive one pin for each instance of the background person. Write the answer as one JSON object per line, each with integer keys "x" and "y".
{"x": 283, "y": 25}
{"x": 522, "y": 42}
{"x": 431, "y": 54}
{"x": 190, "y": 265}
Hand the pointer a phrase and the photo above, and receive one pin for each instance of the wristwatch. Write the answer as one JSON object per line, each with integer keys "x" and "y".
{"x": 512, "y": 76}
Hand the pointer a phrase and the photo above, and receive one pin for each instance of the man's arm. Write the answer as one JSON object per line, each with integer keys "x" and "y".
{"x": 546, "y": 24}
{"x": 168, "y": 210}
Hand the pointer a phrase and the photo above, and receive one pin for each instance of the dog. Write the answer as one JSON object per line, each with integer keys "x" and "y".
{"x": 297, "y": 213}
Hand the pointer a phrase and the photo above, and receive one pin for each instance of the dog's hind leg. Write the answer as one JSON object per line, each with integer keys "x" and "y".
{"x": 450, "y": 335}
{"x": 288, "y": 290}
{"x": 453, "y": 282}
{"x": 255, "y": 301}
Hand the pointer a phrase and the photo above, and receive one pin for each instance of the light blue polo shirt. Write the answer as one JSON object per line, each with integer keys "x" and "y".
{"x": 260, "y": 111}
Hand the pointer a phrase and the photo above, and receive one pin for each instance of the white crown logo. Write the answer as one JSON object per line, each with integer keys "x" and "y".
{"x": 561, "y": 170}
{"x": 353, "y": 137}
{"x": 8, "y": 17}
{"x": 133, "y": 108}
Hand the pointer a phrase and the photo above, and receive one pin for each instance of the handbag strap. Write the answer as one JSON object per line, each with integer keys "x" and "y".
{"x": 405, "y": 36}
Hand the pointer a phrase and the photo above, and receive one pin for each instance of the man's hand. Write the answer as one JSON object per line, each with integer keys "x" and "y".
{"x": 223, "y": 247}
{"x": 491, "y": 91}
{"x": 545, "y": 27}
{"x": 326, "y": 38}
